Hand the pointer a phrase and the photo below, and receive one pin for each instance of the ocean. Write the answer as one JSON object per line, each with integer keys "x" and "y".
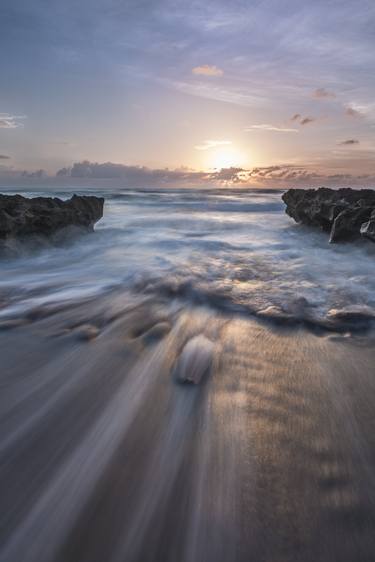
{"x": 232, "y": 249}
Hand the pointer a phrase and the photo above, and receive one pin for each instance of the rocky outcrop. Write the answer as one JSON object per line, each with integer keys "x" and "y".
{"x": 346, "y": 214}
{"x": 44, "y": 216}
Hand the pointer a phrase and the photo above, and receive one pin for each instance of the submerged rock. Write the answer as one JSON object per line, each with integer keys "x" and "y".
{"x": 86, "y": 332}
{"x": 43, "y": 216}
{"x": 156, "y": 332}
{"x": 195, "y": 360}
{"x": 346, "y": 213}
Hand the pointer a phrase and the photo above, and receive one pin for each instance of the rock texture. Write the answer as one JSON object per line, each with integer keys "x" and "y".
{"x": 21, "y": 217}
{"x": 345, "y": 213}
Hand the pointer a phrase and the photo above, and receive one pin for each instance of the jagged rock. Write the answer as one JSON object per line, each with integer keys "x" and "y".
{"x": 347, "y": 225}
{"x": 368, "y": 228}
{"x": 345, "y": 213}
{"x": 43, "y": 216}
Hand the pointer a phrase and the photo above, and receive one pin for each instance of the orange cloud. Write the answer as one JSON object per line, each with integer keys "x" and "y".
{"x": 207, "y": 70}
{"x": 212, "y": 144}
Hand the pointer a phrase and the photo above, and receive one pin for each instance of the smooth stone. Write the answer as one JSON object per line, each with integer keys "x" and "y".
{"x": 157, "y": 332}
{"x": 86, "y": 332}
{"x": 195, "y": 360}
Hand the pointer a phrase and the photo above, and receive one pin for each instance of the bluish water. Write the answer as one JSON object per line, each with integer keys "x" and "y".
{"x": 234, "y": 249}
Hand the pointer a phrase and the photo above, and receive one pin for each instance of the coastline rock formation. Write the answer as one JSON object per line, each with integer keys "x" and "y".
{"x": 44, "y": 216}
{"x": 346, "y": 214}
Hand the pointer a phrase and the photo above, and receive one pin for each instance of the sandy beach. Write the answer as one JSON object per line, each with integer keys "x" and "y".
{"x": 104, "y": 456}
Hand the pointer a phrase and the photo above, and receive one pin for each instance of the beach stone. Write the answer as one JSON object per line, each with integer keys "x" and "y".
{"x": 195, "y": 360}
{"x": 157, "y": 332}
{"x": 43, "y": 216}
{"x": 345, "y": 213}
{"x": 86, "y": 332}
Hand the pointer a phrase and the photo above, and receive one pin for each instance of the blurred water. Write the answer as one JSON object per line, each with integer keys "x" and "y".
{"x": 236, "y": 249}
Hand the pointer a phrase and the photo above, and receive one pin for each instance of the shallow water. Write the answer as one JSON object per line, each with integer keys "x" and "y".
{"x": 105, "y": 452}
{"x": 233, "y": 249}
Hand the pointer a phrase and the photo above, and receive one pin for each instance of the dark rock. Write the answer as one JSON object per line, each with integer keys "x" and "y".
{"x": 368, "y": 228}
{"x": 347, "y": 225}
{"x": 43, "y": 216}
{"x": 345, "y": 213}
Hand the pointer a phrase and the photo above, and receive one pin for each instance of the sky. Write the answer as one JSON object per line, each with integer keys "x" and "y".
{"x": 263, "y": 92}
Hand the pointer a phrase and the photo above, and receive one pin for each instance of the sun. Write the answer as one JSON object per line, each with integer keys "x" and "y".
{"x": 226, "y": 158}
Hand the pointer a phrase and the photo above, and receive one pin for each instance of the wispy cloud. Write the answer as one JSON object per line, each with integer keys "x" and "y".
{"x": 207, "y": 70}
{"x": 352, "y": 112}
{"x": 211, "y": 91}
{"x": 349, "y": 142}
{"x": 268, "y": 127}
{"x": 206, "y": 145}
{"x": 8, "y": 121}
{"x": 321, "y": 93}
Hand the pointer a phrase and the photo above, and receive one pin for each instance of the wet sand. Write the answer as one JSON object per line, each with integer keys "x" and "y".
{"x": 104, "y": 456}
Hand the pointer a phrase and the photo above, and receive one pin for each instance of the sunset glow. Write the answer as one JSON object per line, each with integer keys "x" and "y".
{"x": 226, "y": 158}
{"x": 196, "y": 86}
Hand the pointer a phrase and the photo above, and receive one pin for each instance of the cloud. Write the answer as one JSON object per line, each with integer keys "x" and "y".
{"x": 279, "y": 176}
{"x": 229, "y": 175}
{"x": 321, "y": 93}
{"x": 36, "y": 174}
{"x": 4, "y": 157}
{"x": 211, "y": 91}
{"x": 207, "y": 70}
{"x": 307, "y": 120}
{"x": 267, "y": 127}
{"x": 8, "y": 121}
{"x": 212, "y": 144}
{"x": 283, "y": 173}
{"x": 63, "y": 172}
{"x": 349, "y": 142}
{"x": 297, "y": 117}
{"x": 130, "y": 175}
{"x": 351, "y": 112}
